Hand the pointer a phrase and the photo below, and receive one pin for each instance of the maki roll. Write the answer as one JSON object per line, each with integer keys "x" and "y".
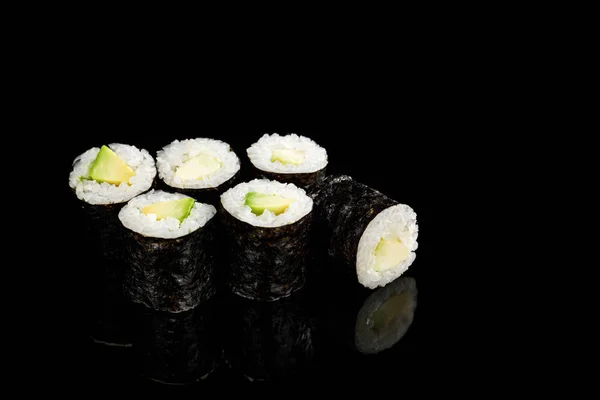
{"x": 386, "y": 316}
{"x": 169, "y": 244}
{"x": 373, "y": 234}
{"x": 200, "y": 168}
{"x": 266, "y": 226}
{"x": 290, "y": 158}
{"x": 269, "y": 341}
{"x": 102, "y": 180}
{"x": 177, "y": 348}
{"x": 112, "y": 174}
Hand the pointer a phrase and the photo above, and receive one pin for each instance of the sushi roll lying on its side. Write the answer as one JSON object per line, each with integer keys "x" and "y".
{"x": 373, "y": 234}
{"x": 169, "y": 246}
{"x": 266, "y": 226}
{"x": 200, "y": 168}
{"x": 386, "y": 316}
{"x": 290, "y": 158}
{"x": 103, "y": 179}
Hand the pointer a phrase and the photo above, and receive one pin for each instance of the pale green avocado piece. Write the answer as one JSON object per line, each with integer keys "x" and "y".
{"x": 198, "y": 167}
{"x": 108, "y": 167}
{"x": 259, "y": 202}
{"x": 389, "y": 311}
{"x": 288, "y": 156}
{"x": 178, "y": 209}
{"x": 389, "y": 253}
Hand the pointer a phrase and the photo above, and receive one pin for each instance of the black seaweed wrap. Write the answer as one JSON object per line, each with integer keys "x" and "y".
{"x": 344, "y": 208}
{"x": 266, "y": 263}
{"x": 177, "y": 348}
{"x": 208, "y": 195}
{"x": 172, "y": 275}
{"x": 308, "y": 181}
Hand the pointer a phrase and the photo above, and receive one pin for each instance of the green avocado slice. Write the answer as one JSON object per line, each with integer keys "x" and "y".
{"x": 389, "y": 253}
{"x": 198, "y": 167}
{"x": 178, "y": 209}
{"x": 288, "y": 156}
{"x": 259, "y": 202}
{"x": 108, "y": 167}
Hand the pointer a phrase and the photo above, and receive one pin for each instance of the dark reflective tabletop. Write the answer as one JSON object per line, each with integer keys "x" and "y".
{"x": 331, "y": 332}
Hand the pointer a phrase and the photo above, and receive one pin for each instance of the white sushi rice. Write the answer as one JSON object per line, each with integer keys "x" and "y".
{"x": 94, "y": 192}
{"x": 173, "y": 155}
{"x": 396, "y": 222}
{"x": 133, "y": 218}
{"x": 260, "y": 154}
{"x": 371, "y": 341}
{"x": 233, "y": 201}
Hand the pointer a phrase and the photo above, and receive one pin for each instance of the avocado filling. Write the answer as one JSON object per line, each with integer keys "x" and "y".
{"x": 259, "y": 202}
{"x": 198, "y": 167}
{"x": 109, "y": 168}
{"x": 288, "y": 156}
{"x": 389, "y": 253}
{"x": 389, "y": 312}
{"x": 178, "y": 209}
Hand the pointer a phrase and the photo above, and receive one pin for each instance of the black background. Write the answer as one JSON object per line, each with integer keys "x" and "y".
{"x": 417, "y": 110}
{"x": 393, "y": 152}
{"x": 408, "y": 114}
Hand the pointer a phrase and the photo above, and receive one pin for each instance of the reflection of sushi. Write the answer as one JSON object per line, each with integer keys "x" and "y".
{"x": 103, "y": 179}
{"x": 169, "y": 251}
{"x": 269, "y": 340}
{"x": 200, "y": 168}
{"x": 267, "y": 227}
{"x": 290, "y": 159}
{"x": 367, "y": 230}
{"x": 386, "y": 316}
{"x": 177, "y": 348}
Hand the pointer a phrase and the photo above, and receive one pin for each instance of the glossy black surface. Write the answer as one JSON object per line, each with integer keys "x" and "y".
{"x": 308, "y": 339}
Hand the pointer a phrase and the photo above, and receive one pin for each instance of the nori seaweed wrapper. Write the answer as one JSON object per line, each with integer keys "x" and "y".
{"x": 344, "y": 208}
{"x": 309, "y": 181}
{"x": 104, "y": 251}
{"x": 177, "y": 348}
{"x": 172, "y": 275}
{"x": 269, "y": 340}
{"x": 265, "y": 263}
{"x": 208, "y": 195}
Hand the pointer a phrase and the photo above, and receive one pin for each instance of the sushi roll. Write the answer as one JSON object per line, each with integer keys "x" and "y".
{"x": 266, "y": 228}
{"x": 290, "y": 159}
{"x": 177, "y": 348}
{"x": 169, "y": 247}
{"x": 200, "y": 168}
{"x": 102, "y": 180}
{"x": 112, "y": 174}
{"x": 269, "y": 341}
{"x": 386, "y": 316}
{"x": 364, "y": 229}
